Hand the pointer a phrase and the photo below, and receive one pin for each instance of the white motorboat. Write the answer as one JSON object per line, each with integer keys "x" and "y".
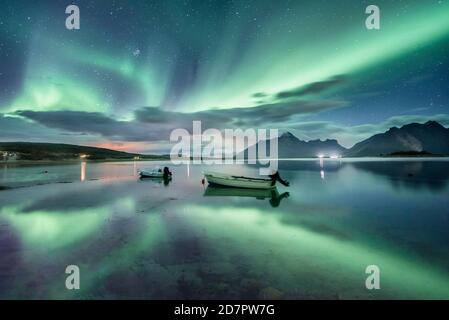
{"x": 226, "y": 180}
{"x": 155, "y": 173}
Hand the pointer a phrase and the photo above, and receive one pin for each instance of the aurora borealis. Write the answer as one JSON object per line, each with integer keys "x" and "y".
{"x": 138, "y": 69}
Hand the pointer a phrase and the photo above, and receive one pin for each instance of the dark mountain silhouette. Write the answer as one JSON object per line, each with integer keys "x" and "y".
{"x": 290, "y": 146}
{"x": 428, "y": 138}
{"x": 55, "y": 151}
{"x": 413, "y": 139}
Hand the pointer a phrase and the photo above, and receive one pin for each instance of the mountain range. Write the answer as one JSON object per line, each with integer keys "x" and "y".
{"x": 430, "y": 138}
{"x": 289, "y": 146}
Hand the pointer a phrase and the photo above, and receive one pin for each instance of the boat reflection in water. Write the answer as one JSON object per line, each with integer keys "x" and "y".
{"x": 260, "y": 194}
{"x": 165, "y": 180}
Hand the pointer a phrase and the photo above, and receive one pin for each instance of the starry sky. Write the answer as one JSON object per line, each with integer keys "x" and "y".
{"x": 136, "y": 70}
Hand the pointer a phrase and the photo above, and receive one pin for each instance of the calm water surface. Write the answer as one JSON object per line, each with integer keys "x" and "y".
{"x": 149, "y": 239}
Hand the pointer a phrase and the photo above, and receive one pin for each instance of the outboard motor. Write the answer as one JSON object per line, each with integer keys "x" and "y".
{"x": 167, "y": 173}
{"x": 276, "y": 177}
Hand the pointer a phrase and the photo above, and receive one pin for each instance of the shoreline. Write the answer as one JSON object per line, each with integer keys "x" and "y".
{"x": 75, "y": 161}
{"x": 79, "y": 161}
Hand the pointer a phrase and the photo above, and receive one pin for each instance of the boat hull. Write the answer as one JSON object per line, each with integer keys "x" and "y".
{"x": 151, "y": 174}
{"x": 238, "y": 182}
{"x": 221, "y": 191}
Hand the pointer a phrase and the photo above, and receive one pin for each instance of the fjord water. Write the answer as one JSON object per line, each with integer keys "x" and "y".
{"x": 136, "y": 238}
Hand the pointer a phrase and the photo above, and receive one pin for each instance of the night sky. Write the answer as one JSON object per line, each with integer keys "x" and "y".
{"x": 138, "y": 69}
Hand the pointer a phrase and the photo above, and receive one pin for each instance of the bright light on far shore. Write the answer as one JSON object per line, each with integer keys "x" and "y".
{"x": 321, "y": 156}
{"x": 335, "y": 156}
{"x": 83, "y": 156}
